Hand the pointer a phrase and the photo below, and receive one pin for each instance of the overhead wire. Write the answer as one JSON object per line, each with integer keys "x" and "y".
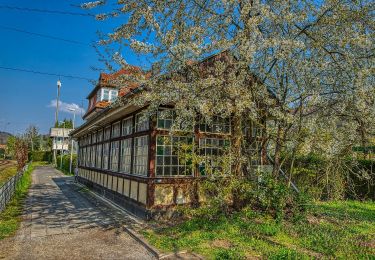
{"x": 42, "y": 35}
{"x": 45, "y": 73}
{"x": 9, "y": 7}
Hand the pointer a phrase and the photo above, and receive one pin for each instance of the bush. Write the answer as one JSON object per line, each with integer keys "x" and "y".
{"x": 66, "y": 163}
{"x": 267, "y": 194}
{"x": 40, "y": 156}
{"x": 334, "y": 178}
{"x": 361, "y": 180}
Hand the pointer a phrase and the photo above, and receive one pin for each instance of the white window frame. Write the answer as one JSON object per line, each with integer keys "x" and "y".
{"x": 102, "y": 95}
{"x": 113, "y": 95}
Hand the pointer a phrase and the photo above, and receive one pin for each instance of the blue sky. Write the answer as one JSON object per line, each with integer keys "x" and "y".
{"x": 26, "y": 97}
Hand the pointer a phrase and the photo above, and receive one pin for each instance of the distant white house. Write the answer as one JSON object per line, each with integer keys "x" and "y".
{"x": 60, "y": 139}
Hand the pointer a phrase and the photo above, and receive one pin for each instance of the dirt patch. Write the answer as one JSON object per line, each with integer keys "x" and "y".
{"x": 222, "y": 243}
{"x": 313, "y": 220}
{"x": 369, "y": 244}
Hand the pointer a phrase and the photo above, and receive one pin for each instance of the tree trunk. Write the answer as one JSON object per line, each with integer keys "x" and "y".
{"x": 237, "y": 158}
{"x": 276, "y": 159}
{"x": 237, "y": 144}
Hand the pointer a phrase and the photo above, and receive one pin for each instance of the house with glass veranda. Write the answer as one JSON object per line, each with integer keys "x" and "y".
{"x": 135, "y": 161}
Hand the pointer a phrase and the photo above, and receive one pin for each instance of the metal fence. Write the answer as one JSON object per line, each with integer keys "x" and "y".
{"x": 8, "y": 189}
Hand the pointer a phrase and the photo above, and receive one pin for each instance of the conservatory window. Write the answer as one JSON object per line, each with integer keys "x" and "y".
{"x": 140, "y": 155}
{"x": 94, "y": 138}
{"x": 125, "y": 162}
{"x": 167, "y": 117}
{"x": 127, "y": 126}
{"x": 141, "y": 122}
{"x": 99, "y": 156}
{"x": 212, "y": 151}
{"x": 174, "y": 155}
{"x": 218, "y": 125}
{"x": 92, "y": 156}
{"x": 114, "y": 155}
{"x": 99, "y": 136}
{"x": 105, "y": 155}
{"x": 107, "y": 133}
{"x": 116, "y": 130}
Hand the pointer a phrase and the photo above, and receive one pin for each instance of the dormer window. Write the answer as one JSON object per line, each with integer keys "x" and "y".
{"x": 105, "y": 94}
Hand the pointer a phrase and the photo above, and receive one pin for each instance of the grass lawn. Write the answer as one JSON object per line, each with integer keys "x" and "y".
{"x": 10, "y": 217}
{"x": 7, "y": 170}
{"x": 343, "y": 229}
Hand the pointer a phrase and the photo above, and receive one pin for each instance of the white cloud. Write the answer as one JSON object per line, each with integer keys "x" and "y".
{"x": 66, "y": 107}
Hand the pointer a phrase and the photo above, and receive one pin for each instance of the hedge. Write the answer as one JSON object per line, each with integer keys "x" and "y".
{"x": 66, "y": 163}
{"x": 38, "y": 156}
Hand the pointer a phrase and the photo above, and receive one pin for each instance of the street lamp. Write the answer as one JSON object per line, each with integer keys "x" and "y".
{"x": 71, "y": 149}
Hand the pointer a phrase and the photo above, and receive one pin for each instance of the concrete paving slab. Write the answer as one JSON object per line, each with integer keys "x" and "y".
{"x": 61, "y": 221}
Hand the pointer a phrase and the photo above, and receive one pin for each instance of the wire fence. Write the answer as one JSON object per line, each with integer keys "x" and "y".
{"x": 8, "y": 189}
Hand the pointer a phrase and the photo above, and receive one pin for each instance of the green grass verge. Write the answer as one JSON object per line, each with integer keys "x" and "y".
{"x": 41, "y": 163}
{"x": 10, "y": 217}
{"x": 343, "y": 229}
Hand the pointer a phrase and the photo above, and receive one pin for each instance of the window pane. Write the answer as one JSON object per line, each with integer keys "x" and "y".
{"x": 116, "y": 130}
{"x": 105, "y": 94}
{"x": 141, "y": 122}
{"x": 125, "y": 161}
{"x": 127, "y": 126}
{"x": 114, "y": 156}
{"x": 99, "y": 156}
{"x": 107, "y": 133}
{"x": 105, "y": 155}
{"x": 140, "y": 165}
{"x": 100, "y": 136}
{"x": 93, "y": 155}
{"x": 113, "y": 95}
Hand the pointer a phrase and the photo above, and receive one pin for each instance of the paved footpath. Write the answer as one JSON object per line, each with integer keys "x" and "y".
{"x": 64, "y": 221}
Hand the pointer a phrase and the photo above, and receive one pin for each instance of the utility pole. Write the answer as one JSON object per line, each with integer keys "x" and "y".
{"x": 56, "y": 119}
{"x": 57, "y": 101}
{"x": 62, "y": 146}
{"x": 72, "y": 144}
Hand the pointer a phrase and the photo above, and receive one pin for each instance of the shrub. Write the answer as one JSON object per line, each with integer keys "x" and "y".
{"x": 66, "y": 163}
{"x": 39, "y": 156}
{"x": 267, "y": 194}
